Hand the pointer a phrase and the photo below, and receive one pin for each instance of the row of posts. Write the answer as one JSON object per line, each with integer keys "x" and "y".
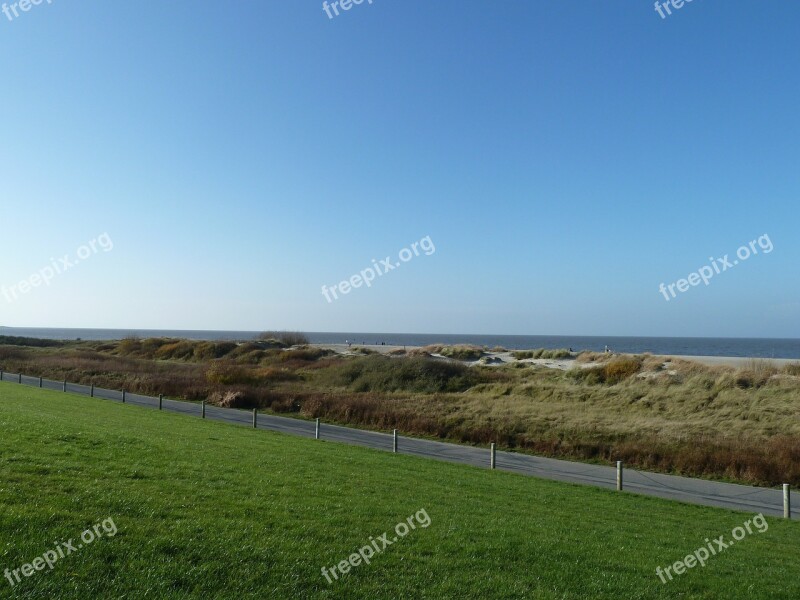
{"x": 787, "y": 495}
{"x": 787, "y": 499}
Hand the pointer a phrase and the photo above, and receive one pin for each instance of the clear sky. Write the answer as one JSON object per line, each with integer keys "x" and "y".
{"x": 565, "y": 158}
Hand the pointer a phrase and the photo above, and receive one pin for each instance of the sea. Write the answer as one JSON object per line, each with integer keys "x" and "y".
{"x": 685, "y": 346}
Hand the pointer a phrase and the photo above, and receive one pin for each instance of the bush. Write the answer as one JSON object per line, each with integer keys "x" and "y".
{"x": 619, "y": 369}
{"x": 613, "y": 372}
{"x": 181, "y": 350}
{"x": 273, "y": 374}
{"x": 212, "y": 350}
{"x": 590, "y": 375}
{"x": 129, "y": 345}
{"x": 10, "y": 340}
{"x": 287, "y": 338}
{"x": 792, "y": 369}
{"x": 304, "y": 354}
{"x": 542, "y": 353}
{"x": 755, "y": 374}
{"x": 13, "y": 353}
{"x": 365, "y": 351}
{"x": 230, "y": 399}
{"x": 462, "y": 352}
{"x": 415, "y": 374}
{"x": 229, "y": 374}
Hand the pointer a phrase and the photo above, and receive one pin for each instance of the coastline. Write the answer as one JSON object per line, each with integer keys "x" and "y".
{"x": 499, "y": 358}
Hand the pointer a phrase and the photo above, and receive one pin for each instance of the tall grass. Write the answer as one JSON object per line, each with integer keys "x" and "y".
{"x": 542, "y": 353}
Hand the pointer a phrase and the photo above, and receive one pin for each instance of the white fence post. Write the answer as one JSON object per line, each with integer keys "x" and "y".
{"x": 787, "y": 502}
{"x": 394, "y": 441}
{"x": 619, "y": 475}
{"x": 493, "y": 459}
{"x": 203, "y": 410}
{"x": 316, "y": 430}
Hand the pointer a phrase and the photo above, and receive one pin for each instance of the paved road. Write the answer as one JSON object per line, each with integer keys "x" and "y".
{"x": 684, "y": 489}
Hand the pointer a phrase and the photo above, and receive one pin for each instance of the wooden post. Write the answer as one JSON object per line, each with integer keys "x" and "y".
{"x": 123, "y": 396}
{"x": 787, "y": 502}
{"x": 160, "y": 401}
{"x": 255, "y": 418}
{"x": 92, "y": 392}
{"x": 394, "y": 441}
{"x": 316, "y": 430}
{"x": 203, "y": 410}
{"x": 20, "y": 378}
{"x": 64, "y": 387}
{"x": 40, "y": 382}
{"x": 619, "y": 475}
{"x": 492, "y": 460}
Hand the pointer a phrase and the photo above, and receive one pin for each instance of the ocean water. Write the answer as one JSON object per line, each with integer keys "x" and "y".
{"x": 741, "y": 347}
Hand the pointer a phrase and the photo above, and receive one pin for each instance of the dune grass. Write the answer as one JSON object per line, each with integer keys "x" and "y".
{"x": 208, "y": 510}
{"x": 672, "y": 415}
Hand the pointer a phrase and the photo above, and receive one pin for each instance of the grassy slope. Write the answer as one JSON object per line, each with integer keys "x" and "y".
{"x": 210, "y": 510}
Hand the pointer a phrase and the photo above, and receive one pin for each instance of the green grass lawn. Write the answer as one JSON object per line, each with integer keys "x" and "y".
{"x": 209, "y": 510}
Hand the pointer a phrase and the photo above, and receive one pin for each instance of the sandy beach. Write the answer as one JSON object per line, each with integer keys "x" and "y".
{"x": 499, "y": 358}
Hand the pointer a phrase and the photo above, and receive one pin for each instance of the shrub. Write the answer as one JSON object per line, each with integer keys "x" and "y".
{"x": 230, "y": 399}
{"x": 304, "y": 354}
{"x": 542, "y": 353}
{"x": 129, "y": 345}
{"x": 619, "y": 369}
{"x": 365, "y": 351}
{"x": 180, "y": 350}
{"x": 211, "y": 350}
{"x": 228, "y": 374}
{"x": 792, "y": 369}
{"x": 287, "y": 338}
{"x": 415, "y": 374}
{"x": 10, "y": 340}
{"x": 13, "y": 353}
{"x": 151, "y": 345}
{"x": 526, "y": 354}
{"x": 462, "y": 352}
{"x": 755, "y": 374}
{"x": 613, "y": 372}
{"x": 273, "y": 374}
{"x": 590, "y": 375}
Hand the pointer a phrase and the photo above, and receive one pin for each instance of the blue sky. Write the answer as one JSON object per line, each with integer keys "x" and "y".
{"x": 565, "y": 158}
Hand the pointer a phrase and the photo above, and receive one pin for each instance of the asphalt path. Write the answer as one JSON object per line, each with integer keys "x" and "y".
{"x": 684, "y": 489}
